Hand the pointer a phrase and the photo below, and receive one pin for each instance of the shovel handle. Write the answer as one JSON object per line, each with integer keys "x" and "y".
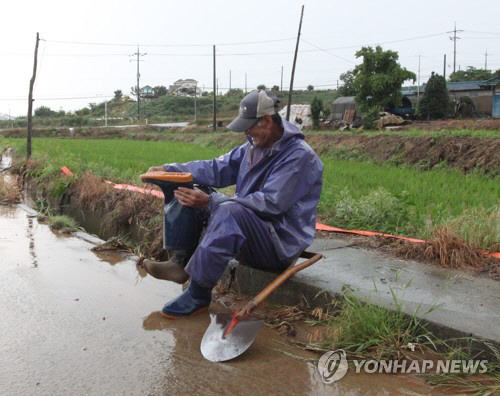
{"x": 259, "y": 298}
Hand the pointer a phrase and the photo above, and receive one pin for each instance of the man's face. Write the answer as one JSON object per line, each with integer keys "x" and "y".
{"x": 261, "y": 132}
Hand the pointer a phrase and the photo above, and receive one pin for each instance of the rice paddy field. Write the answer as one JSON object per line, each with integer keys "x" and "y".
{"x": 356, "y": 195}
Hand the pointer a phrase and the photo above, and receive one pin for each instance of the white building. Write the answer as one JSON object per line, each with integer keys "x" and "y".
{"x": 185, "y": 87}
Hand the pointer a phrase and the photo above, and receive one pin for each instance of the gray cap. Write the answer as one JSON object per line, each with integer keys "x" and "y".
{"x": 253, "y": 106}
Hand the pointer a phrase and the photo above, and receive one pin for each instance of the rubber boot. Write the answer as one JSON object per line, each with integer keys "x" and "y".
{"x": 171, "y": 270}
{"x": 194, "y": 299}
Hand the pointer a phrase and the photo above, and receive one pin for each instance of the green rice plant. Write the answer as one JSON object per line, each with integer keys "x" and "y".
{"x": 378, "y": 210}
{"x": 480, "y": 133}
{"x": 424, "y": 198}
{"x": 384, "y": 198}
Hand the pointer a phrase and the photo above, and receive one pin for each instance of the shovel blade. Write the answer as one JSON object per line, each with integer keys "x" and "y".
{"x": 218, "y": 348}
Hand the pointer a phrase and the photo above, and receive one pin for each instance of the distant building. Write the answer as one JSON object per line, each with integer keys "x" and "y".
{"x": 147, "y": 92}
{"x": 342, "y": 106}
{"x": 184, "y": 87}
{"x": 493, "y": 84}
{"x": 300, "y": 115}
{"x": 476, "y": 91}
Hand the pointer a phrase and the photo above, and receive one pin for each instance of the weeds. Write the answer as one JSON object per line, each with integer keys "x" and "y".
{"x": 63, "y": 223}
{"x": 367, "y": 331}
{"x": 362, "y": 328}
{"x": 121, "y": 209}
{"x": 9, "y": 191}
{"x": 464, "y": 383}
{"x": 447, "y": 250}
{"x": 479, "y": 227}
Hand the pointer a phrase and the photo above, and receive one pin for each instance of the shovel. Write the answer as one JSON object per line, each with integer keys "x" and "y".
{"x": 229, "y": 335}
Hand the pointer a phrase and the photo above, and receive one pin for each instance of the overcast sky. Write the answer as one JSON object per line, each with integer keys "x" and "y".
{"x": 178, "y": 36}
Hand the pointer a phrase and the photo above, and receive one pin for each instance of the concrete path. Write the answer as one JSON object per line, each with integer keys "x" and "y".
{"x": 466, "y": 304}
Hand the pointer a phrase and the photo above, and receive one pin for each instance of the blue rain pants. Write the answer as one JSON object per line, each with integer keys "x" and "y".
{"x": 233, "y": 231}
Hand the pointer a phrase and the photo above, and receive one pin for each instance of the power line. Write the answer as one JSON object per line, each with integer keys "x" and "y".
{"x": 481, "y": 38}
{"x": 71, "y": 98}
{"x": 242, "y": 43}
{"x": 328, "y": 52}
{"x": 473, "y": 31}
{"x": 168, "y": 45}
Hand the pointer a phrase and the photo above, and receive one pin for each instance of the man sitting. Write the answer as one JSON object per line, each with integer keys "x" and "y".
{"x": 267, "y": 223}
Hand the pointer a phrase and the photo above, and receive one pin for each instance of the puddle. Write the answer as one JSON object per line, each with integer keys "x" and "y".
{"x": 73, "y": 323}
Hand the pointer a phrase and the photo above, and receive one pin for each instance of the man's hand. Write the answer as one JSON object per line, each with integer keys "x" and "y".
{"x": 156, "y": 169}
{"x": 192, "y": 198}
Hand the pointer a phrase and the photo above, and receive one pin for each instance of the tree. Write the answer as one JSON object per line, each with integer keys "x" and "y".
{"x": 378, "y": 81}
{"x": 118, "y": 95}
{"x": 471, "y": 74}
{"x": 83, "y": 112}
{"x": 133, "y": 91}
{"x": 347, "y": 87}
{"x": 160, "y": 90}
{"x": 316, "y": 108}
{"x": 44, "y": 111}
{"x": 497, "y": 74}
{"x": 186, "y": 91}
{"x": 436, "y": 100}
{"x": 261, "y": 87}
{"x": 275, "y": 88}
{"x": 234, "y": 92}
{"x": 310, "y": 88}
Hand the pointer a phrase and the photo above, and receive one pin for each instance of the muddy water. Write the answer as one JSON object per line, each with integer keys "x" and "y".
{"x": 73, "y": 322}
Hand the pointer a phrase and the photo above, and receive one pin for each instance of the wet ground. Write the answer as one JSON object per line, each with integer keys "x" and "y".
{"x": 76, "y": 322}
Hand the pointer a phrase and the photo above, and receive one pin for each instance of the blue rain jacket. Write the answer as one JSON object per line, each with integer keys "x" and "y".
{"x": 281, "y": 184}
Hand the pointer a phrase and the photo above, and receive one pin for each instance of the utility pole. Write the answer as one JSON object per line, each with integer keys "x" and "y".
{"x": 230, "y": 80}
{"x": 138, "y": 89}
{"x": 418, "y": 81}
{"x": 195, "y": 89}
{"x": 30, "y": 101}
{"x": 444, "y": 67}
{"x": 281, "y": 86}
{"x": 214, "y": 98}
{"x": 293, "y": 68}
{"x": 106, "y": 112}
{"x": 486, "y": 60}
{"x": 454, "y": 39}
{"x": 245, "y": 83}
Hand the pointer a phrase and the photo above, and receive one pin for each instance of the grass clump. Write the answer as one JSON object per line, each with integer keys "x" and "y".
{"x": 447, "y": 250}
{"x": 479, "y": 227}
{"x": 366, "y": 330}
{"x": 63, "y": 223}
